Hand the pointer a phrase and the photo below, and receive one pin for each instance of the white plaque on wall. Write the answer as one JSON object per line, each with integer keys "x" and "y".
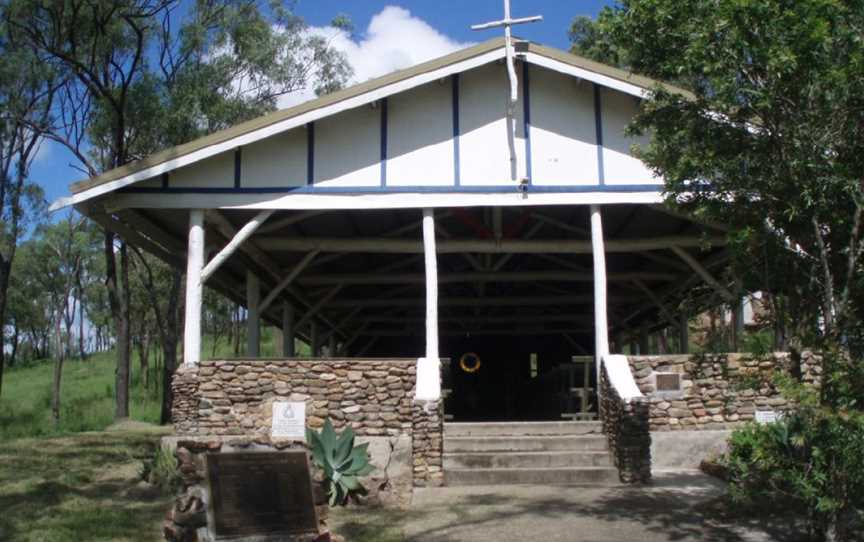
{"x": 766, "y": 416}
{"x": 289, "y": 420}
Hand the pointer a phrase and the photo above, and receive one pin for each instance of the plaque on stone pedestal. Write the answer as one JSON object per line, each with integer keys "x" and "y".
{"x": 261, "y": 493}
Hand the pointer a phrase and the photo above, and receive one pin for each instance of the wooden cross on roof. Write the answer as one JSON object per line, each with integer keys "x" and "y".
{"x": 507, "y": 22}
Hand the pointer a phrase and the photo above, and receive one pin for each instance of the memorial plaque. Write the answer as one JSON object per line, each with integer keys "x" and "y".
{"x": 261, "y": 493}
{"x": 289, "y": 420}
{"x": 668, "y": 381}
{"x": 766, "y": 416}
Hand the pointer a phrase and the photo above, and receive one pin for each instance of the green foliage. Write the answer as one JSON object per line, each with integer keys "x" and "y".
{"x": 162, "y": 471}
{"x": 811, "y": 459}
{"x": 342, "y": 462}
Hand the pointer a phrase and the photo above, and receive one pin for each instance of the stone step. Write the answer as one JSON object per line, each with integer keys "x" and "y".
{"x": 569, "y": 443}
{"x": 510, "y": 460}
{"x": 596, "y": 476}
{"x": 479, "y": 429}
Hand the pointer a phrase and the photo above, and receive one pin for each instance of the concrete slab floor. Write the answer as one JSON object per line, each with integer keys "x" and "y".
{"x": 678, "y": 506}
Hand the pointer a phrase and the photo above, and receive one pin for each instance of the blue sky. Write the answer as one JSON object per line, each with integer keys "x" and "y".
{"x": 387, "y": 35}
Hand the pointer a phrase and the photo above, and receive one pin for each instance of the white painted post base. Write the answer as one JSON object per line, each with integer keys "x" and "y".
{"x": 428, "y": 379}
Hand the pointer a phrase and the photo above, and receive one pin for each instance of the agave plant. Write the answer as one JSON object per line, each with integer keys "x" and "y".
{"x": 342, "y": 462}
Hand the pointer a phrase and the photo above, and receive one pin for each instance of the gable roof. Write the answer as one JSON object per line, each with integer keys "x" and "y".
{"x": 354, "y": 96}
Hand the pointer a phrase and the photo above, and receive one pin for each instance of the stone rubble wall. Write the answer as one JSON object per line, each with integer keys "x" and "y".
{"x": 627, "y": 432}
{"x": 719, "y": 391}
{"x": 375, "y": 397}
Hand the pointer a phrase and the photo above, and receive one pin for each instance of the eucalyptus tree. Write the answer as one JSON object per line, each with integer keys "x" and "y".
{"x": 59, "y": 250}
{"x": 26, "y": 95}
{"x": 146, "y": 74}
{"x": 770, "y": 140}
{"x": 774, "y": 133}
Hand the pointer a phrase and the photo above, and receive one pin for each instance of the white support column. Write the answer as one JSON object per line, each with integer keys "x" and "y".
{"x": 428, "y": 368}
{"x": 601, "y": 322}
{"x": 253, "y": 320}
{"x": 194, "y": 288}
{"x": 288, "y": 334}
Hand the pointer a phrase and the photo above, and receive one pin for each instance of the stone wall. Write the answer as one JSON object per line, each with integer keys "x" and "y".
{"x": 719, "y": 391}
{"x": 626, "y": 427}
{"x": 375, "y": 397}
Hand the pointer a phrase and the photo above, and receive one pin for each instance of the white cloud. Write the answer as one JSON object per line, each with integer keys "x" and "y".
{"x": 394, "y": 40}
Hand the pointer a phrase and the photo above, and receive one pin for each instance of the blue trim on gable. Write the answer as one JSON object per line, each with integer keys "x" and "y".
{"x": 526, "y": 118}
{"x": 456, "y": 132}
{"x": 598, "y": 128}
{"x": 384, "y": 141}
{"x": 238, "y": 164}
{"x": 503, "y": 189}
{"x": 310, "y": 154}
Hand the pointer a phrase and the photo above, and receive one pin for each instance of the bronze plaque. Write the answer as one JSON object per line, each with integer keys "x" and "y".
{"x": 668, "y": 382}
{"x": 259, "y": 493}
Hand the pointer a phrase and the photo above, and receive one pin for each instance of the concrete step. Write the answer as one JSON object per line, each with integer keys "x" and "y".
{"x": 602, "y": 476}
{"x": 480, "y": 429}
{"x": 569, "y": 443}
{"x": 510, "y": 460}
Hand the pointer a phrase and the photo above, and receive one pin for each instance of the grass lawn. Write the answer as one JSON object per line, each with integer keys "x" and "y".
{"x": 87, "y": 398}
{"x": 80, "y": 487}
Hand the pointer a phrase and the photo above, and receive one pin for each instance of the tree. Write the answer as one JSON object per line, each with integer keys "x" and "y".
{"x": 770, "y": 140}
{"x": 59, "y": 251}
{"x": 138, "y": 81}
{"x": 26, "y": 96}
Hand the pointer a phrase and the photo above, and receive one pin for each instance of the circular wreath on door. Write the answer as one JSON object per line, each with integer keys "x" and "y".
{"x": 470, "y": 362}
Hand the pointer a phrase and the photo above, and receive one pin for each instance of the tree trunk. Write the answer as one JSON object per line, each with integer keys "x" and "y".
{"x": 58, "y": 372}
{"x": 5, "y": 270}
{"x": 120, "y": 312}
{"x": 170, "y": 334}
{"x": 82, "y": 351}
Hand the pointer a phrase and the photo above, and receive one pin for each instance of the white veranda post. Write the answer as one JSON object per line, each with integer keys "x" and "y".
{"x": 601, "y": 323}
{"x": 194, "y": 288}
{"x": 428, "y": 367}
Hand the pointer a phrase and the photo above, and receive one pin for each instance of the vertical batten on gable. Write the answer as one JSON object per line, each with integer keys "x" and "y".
{"x": 383, "y": 108}
{"x": 310, "y": 154}
{"x": 456, "y": 131}
{"x": 598, "y": 123}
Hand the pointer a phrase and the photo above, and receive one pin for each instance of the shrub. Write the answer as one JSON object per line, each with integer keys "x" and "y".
{"x": 813, "y": 458}
{"x": 162, "y": 471}
{"x": 342, "y": 462}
